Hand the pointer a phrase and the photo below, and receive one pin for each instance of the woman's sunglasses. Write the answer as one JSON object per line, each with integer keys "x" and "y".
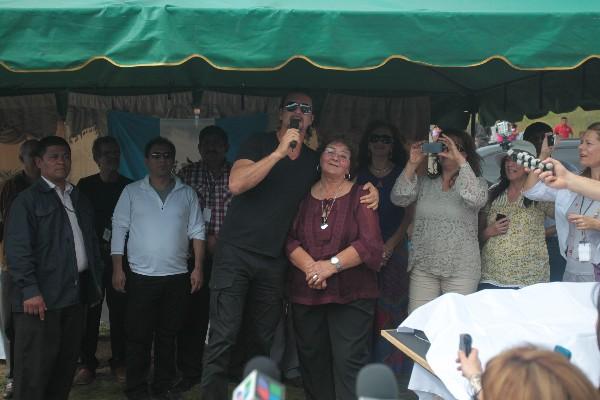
{"x": 385, "y": 139}
{"x": 293, "y": 106}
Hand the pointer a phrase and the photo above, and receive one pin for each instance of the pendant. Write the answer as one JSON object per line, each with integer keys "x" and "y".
{"x": 324, "y": 225}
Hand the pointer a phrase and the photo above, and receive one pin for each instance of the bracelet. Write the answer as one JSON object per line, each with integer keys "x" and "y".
{"x": 475, "y": 382}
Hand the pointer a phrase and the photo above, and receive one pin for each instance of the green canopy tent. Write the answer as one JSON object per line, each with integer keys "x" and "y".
{"x": 505, "y": 58}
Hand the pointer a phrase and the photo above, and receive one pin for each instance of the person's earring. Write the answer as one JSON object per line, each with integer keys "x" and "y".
{"x": 348, "y": 176}
{"x": 318, "y": 168}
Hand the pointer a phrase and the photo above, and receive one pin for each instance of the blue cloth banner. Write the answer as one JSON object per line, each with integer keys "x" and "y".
{"x": 132, "y": 132}
{"x": 241, "y": 128}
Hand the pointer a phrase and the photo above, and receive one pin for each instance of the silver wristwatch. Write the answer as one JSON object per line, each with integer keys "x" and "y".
{"x": 336, "y": 263}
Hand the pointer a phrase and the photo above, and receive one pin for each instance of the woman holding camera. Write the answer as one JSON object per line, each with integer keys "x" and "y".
{"x": 445, "y": 249}
{"x": 577, "y": 216}
{"x": 514, "y": 252}
{"x": 336, "y": 249}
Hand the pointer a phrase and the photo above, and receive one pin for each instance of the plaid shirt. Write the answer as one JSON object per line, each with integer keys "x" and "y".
{"x": 213, "y": 191}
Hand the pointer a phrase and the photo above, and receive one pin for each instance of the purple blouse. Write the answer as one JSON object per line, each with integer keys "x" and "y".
{"x": 350, "y": 224}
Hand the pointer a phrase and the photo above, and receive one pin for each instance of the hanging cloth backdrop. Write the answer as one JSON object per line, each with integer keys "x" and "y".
{"x": 27, "y": 116}
{"x": 133, "y": 131}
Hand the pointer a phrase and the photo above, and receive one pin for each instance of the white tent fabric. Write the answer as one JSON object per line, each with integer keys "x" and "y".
{"x": 545, "y": 315}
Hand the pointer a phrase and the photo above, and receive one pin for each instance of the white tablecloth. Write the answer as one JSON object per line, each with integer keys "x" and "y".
{"x": 544, "y": 315}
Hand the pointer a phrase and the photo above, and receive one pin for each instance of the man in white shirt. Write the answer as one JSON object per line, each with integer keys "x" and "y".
{"x": 54, "y": 262}
{"x": 161, "y": 215}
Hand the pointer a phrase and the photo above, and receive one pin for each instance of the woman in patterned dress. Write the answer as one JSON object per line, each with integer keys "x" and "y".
{"x": 514, "y": 252}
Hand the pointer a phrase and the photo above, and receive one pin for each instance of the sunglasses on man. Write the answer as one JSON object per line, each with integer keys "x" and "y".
{"x": 293, "y": 106}
{"x": 385, "y": 139}
{"x": 167, "y": 155}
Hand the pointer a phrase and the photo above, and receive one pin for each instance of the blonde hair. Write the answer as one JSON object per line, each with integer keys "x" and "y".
{"x": 526, "y": 373}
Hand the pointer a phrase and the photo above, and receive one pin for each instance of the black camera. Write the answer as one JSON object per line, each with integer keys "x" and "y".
{"x": 433, "y": 147}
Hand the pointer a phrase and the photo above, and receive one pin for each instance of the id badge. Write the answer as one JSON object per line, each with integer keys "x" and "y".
{"x": 584, "y": 251}
{"x": 106, "y": 235}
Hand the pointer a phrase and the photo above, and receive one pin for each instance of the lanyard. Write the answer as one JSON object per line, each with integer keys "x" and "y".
{"x": 583, "y": 235}
{"x": 588, "y": 207}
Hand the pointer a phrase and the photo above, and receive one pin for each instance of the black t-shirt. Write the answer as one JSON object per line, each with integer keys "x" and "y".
{"x": 259, "y": 219}
{"x": 104, "y": 197}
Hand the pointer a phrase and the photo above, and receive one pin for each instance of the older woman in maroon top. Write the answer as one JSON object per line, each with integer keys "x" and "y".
{"x": 336, "y": 249}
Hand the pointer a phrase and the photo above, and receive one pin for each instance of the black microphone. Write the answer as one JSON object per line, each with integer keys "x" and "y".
{"x": 376, "y": 382}
{"x": 264, "y": 365}
{"x": 294, "y": 124}
{"x": 261, "y": 381}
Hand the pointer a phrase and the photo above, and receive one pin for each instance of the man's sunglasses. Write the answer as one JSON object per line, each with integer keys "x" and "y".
{"x": 385, "y": 139}
{"x": 293, "y": 106}
{"x": 167, "y": 155}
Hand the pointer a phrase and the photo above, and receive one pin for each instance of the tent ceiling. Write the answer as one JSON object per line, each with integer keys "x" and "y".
{"x": 508, "y": 58}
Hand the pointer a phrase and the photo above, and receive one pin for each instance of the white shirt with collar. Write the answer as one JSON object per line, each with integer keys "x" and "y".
{"x": 159, "y": 233}
{"x": 65, "y": 199}
{"x": 562, "y": 198}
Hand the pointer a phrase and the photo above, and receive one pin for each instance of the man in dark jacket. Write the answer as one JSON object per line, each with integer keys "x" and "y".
{"x": 54, "y": 262}
{"x": 10, "y": 190}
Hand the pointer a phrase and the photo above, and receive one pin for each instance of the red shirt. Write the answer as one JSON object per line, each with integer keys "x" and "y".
{"x": 350, "y": 224}
{"x": 563, "y": 130}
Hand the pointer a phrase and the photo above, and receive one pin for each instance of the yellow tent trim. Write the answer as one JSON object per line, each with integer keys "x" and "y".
{"x": 295, "y": 57}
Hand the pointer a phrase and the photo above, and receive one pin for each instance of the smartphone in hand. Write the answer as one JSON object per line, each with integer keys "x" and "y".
{"x": 432, "y": 147}
{"x": 465, "y": 343}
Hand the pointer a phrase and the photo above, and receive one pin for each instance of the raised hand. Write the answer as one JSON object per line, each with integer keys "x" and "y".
{"x": 289, "y": 136}
{"x": 416, "y": 154}
{"x": 452, "y": 152}
{"x": 557, "y": 178}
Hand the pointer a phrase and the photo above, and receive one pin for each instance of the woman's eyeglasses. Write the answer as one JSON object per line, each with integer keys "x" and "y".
{"x": 342, "y": 155}
{"x": 293, "y": 106}
{"x": 385, "y": 139}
